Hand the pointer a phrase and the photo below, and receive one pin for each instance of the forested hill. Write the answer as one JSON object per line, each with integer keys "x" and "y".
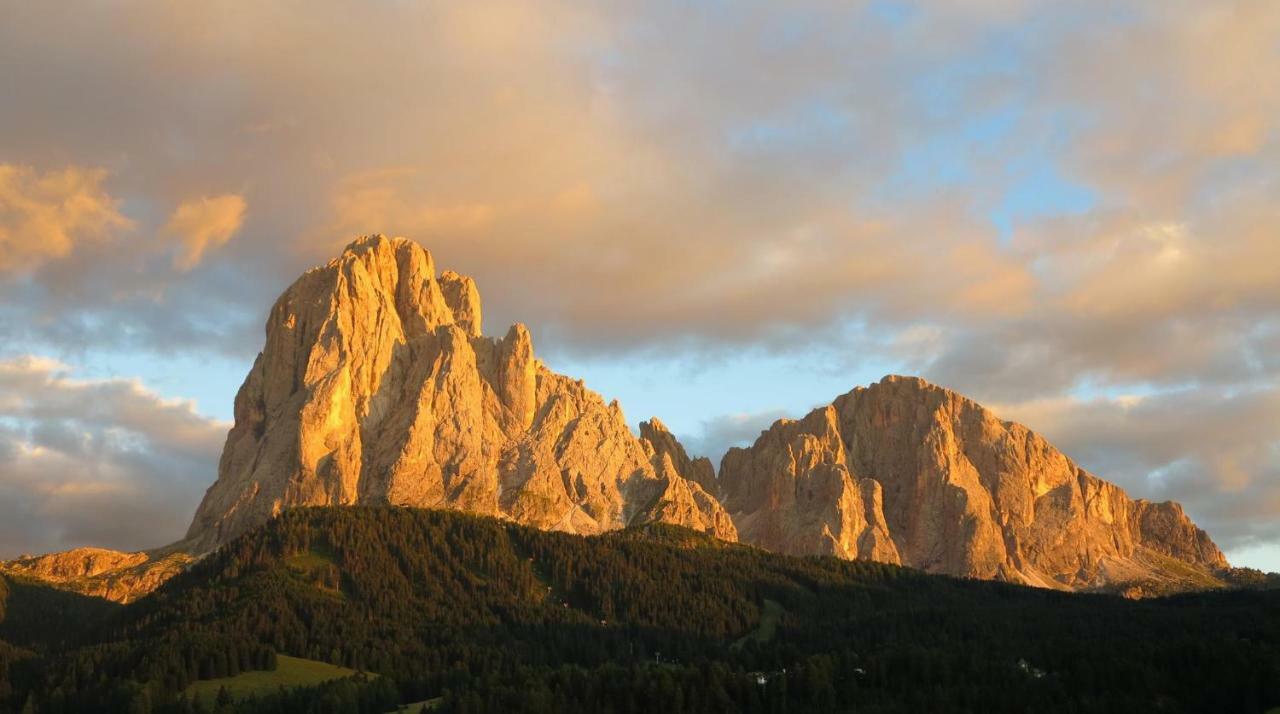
{"x": 479, "y": 615}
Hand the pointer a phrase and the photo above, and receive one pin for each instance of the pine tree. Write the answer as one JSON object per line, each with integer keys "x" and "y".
{"x": 223, "y": 701}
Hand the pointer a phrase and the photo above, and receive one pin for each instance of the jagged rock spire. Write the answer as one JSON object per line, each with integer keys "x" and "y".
{"x": 377, "y": 386}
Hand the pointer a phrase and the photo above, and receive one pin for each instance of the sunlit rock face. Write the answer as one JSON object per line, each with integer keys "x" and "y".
{"x": 794, "y": 493}
{"x": 108, "y": 574}
{"x": 907, "y": 472}
{"x": 376, "y": 385}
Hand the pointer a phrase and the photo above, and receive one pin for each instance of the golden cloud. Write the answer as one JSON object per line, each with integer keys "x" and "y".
{"x": 44, "y": 216}
{"x": 204, "y": 224}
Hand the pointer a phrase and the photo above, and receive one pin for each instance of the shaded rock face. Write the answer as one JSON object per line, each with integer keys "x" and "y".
{"x": 793, "y": 493}
{"x": 907, "y": 472}
{"x": 108, "y": 574}
{"x": 377, "y": 386}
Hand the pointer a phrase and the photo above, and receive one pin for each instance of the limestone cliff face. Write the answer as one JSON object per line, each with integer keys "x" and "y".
{"x": 907, "y": 472}
{"x": 793, "y": 493}
{"x": 377, "y": 386}
{"x": 109, "y": 574}
{"x": 686, "y": 498}
{"x": 663, "y": 443}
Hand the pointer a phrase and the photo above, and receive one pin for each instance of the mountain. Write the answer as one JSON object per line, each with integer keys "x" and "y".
{"x": 376, "y": 386}
{"x": 907, "y": 472}
{"x": 98, "y": 572}
{"x": 478, "y": 614}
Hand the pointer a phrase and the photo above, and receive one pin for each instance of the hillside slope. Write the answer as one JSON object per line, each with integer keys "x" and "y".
{"x": 492, "y": 616}
{"x": 98, "y": 572}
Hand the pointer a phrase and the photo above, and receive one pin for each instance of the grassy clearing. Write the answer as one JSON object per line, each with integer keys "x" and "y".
{"x": 289, "y": 672}
{"x": 770, "y": 616}
{"x": 309, "y": 561}
{"x": 1187, "y": 572}
{"x": 318, "y": 568}
{"x": 422, "y": 706}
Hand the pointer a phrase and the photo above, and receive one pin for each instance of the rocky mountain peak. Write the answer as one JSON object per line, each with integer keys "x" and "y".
{"x": 931, "y": 479}
{"x": 376, "y": 385}
{"x": 664, "y": 444}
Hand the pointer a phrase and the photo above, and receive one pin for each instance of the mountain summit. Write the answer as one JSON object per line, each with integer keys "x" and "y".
{"x": 907, "y": 472}
{"x": 376, "y": 386}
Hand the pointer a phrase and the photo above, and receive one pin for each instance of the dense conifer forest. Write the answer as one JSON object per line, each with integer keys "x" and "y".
{"x": 478, "y": 615}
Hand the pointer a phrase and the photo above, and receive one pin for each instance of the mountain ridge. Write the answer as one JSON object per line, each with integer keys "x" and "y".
{"x": 376, "y": 385}
{"x": 910, "y": 472}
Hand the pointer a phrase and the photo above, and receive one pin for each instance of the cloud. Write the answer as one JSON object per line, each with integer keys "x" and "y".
{"x": 1024, "y": 200}
{"x": 1134, "y": 303}
{"x": 96, "y": 462}
{"x": 660, "y": 157}
{"x": 718, "y": 434}
{"x": 204, "y": 224}
{"x": 607, "y": 149}
{"x": 45, "y": 216}
{"x": 75, "y": 272}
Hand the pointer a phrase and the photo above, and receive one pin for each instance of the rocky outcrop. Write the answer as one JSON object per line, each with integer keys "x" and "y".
{"x": 904, "y": 471}
{"x": 376, "y": 385}
{"x": 109, "y": 574}
{"x": 686, "y": 495}
{"x": 793, "y": 493}
{"x": 663, "y": 442}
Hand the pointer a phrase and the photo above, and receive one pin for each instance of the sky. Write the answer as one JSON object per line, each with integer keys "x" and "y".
{"x": 717, "y": 213}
